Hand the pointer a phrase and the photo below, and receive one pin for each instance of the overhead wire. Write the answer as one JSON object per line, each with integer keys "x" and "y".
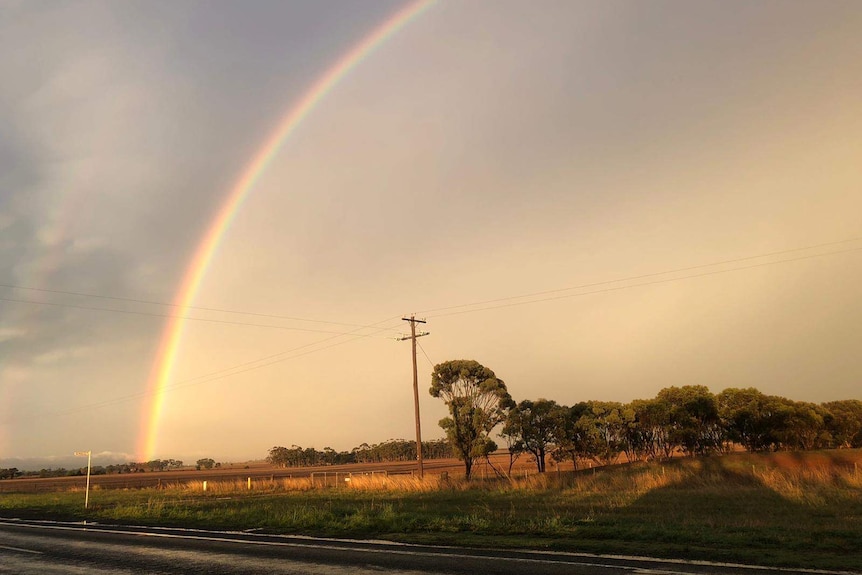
{"x": 156, "y": 303}
{"x": 425, "y": 353}
{"x": 355, "y": 335}
{"x": 629, "y": 286}
{"x": 642, "y": 276}
{"x": 225, "y": 372}
{"x": 183, "y": 317}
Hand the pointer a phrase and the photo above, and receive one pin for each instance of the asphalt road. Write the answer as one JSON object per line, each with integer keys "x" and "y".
{"x": 48, "y": 548}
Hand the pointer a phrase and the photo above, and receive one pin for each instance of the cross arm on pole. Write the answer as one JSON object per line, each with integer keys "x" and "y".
{"x": 420, "y": 334}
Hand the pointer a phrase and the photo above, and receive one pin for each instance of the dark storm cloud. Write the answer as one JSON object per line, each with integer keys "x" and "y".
{"x": 122, "y": 128}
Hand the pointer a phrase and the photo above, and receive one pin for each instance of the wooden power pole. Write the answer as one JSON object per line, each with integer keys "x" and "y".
{"x": 413, "y": 335}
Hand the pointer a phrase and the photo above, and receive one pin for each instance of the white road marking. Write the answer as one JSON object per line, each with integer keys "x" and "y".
{"x": 465, "y": 552}
{"x": 10, "y": 548}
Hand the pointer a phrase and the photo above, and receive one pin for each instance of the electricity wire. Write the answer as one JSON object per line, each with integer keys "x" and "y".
{"x": 225, "y": 372}
{"x": 643, "y": 276}
{"x": 425, "y": 353}
{"x": 618, "y": 288}
{"x": 160, "y": 303}
{"x": 184, "y": 318}
{"x": 354, "y": 335}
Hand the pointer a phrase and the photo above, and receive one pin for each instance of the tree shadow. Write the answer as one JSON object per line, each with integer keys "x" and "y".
{"x": 722, "y": 507}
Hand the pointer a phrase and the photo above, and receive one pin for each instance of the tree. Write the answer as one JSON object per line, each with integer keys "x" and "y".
{"x": 652, "y": 422}
{"x": 570, "y": 436}
{"x": 694, "y": 421}
{"x": 845, "y": 425}
{"x": 751, "y": 418}
{"x": 206, "y": 463}
{"x": 278, "y": 455}
{"x": 9, "y": 473}
{"x": 805, "y": 425}
{"x": 477, "y": 402}
{"x": 156, "y": 465}
{"x": 532, "y": 423}
{"x": 605, "y": 426}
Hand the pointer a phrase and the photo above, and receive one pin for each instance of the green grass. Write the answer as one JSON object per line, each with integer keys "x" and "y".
{"x": 792, "y": 510}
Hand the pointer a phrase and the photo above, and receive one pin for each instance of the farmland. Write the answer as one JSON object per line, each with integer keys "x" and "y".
{"x": 257, "y": 471}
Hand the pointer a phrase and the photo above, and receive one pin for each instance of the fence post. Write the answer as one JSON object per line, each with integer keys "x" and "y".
{"x": 249, "y": 483}
{"x": 205, "y": 485}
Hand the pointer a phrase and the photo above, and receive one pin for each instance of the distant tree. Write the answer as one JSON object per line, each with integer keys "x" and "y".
{"x": 279, "y": 456}
{"x": 571, "y": 435}
{"x": 477, "y": 402}
{"x": 845, "y": 423}
{"x": 751, "y": 418}
{"x": 650, "y": 428}
{"x": 205, "y": 463}
{"x": 694, "y": 424}
{"x": 805, "y": 426}
{"x": 156, "y": 465}
{"x": 9, "y": 473}
{"x": 531, "y": 425}
{"x": 605, "y": 427}
{"x": 329, "y": 456}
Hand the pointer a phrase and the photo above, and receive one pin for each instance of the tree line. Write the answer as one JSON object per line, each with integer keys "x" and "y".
{"x": 388, "y": 451}
{"x": 131, "y": 467}
{"x": 690, "y": 420}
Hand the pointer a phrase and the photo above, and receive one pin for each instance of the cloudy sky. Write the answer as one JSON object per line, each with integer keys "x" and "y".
{"x": 476, "y": 168}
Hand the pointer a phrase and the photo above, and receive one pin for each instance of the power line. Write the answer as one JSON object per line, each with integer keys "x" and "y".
{"x": 185, "y": 318}
{"x": 354, "y": 335}
{"x": 422, "y": 349}
{"x": 226, "y": 372}
{"x": 643, "y": 276}
{"x": 164, "y": 304}
{"x": 715, "y": 272}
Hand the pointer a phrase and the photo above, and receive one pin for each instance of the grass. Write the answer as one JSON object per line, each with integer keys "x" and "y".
{"x": 791, "y": 510}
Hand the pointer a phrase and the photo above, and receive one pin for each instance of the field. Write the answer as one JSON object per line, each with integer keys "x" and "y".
{"x": 781, "y": 509}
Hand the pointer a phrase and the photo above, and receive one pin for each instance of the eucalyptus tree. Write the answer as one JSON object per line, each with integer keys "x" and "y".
{"x": 532, "y": 424}
{"x": 652, "y": 428}
{"x": 805, "y": 425}
{"x": 845, "y": 423}
{"x": 572, "y": 435}
{"x": 604, "y": 424}
{"x": 751, "y": 418}
{"x": 695, "y": 425}
{"x": 477, "y": 400}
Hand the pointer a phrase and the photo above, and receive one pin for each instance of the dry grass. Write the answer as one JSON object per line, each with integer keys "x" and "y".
{"x": 802, "y": 509}
{"x": 806, "y": 479}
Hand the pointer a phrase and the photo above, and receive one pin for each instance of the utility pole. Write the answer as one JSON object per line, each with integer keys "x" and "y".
{"x": 413, "y": 335}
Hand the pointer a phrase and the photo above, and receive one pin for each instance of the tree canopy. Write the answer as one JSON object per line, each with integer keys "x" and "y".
{"x": 477, "y": 400}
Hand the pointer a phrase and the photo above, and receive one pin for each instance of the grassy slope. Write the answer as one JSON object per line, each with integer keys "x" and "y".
{"x": 777, "y": 509}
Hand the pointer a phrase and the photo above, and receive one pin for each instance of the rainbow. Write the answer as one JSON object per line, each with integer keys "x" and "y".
{"x": 196, "y": 270}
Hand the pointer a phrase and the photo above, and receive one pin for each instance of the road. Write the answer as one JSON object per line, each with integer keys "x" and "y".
{"x": 49, "y": 548}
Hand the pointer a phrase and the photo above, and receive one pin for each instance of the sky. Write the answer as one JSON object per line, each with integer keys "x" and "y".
{"x": 595, "y": 199}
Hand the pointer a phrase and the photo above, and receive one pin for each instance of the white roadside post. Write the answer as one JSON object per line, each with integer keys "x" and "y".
{"x": 87, "y": 492}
